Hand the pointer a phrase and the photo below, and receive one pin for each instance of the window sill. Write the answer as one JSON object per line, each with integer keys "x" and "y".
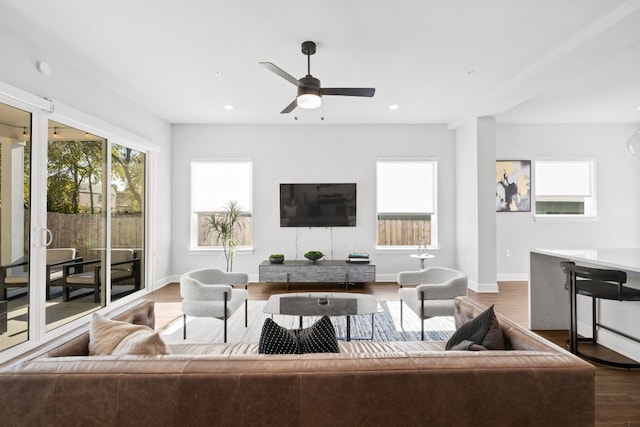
{"x": 244, "y": 250}
{"x": 564, "y": 218}
{"x": 403, "y": 250}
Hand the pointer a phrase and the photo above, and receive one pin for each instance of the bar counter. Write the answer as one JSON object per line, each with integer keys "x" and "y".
{"x": 549, "y": 301}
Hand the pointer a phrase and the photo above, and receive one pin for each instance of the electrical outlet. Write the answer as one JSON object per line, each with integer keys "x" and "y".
{"x": 507, "y": 252}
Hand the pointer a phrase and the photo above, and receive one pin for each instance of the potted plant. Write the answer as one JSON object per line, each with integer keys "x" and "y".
{"x": 313, "y": 256}
{"x": 226, "y": 224}
{"x": 276, "y": 258}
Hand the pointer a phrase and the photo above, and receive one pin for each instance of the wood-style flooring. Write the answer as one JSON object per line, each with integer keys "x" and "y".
{"x": 617, "y": 390}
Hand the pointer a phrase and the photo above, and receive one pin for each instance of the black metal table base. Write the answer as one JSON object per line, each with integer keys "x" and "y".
{"x": 349, "y": 337}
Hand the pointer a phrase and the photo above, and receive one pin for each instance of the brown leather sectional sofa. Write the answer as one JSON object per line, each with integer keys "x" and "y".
{"x": 367, "y": 384}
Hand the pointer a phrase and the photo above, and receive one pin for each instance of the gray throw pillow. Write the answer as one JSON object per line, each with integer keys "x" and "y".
{"x": 483, "y": 330}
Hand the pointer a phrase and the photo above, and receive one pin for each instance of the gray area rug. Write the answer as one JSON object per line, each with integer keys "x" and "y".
{"x": 386, "y": 326}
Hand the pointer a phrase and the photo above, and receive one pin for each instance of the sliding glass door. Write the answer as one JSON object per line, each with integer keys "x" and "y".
{"x": 128, "y": 191}
{"x": 77, "y": 223}
{"x": 15, "y": 219}
{"x": 72, "y": 220}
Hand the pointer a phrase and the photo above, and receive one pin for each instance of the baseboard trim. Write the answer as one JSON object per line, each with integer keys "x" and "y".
{"x": 484, "y": 287}
{"x": 172, "y": 278}
{"x": 513, "y": 277}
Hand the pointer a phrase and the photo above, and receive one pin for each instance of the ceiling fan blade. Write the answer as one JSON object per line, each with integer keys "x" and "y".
{"x": 348, "y": 91}
{"x": 289, "y": 108}
{"x": 279, "y": 71}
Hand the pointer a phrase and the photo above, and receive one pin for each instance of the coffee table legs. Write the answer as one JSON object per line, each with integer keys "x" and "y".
{"x": 360, "y": 338}
{"x": 348, "y": 337}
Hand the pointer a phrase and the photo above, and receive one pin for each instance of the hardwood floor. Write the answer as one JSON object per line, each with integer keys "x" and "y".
{"x": 617, "y": 390}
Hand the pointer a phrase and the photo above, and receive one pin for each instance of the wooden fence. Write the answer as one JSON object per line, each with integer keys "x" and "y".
{"x": 392, "y": 232}
{"x": 243, "y": 238}
{"x": 86, "y": 232}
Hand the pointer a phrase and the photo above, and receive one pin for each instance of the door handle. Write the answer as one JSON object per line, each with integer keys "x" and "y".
{"x": 47, "y": 236}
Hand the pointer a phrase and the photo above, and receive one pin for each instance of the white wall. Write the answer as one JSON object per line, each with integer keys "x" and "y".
{"x": 310, "y": 153}
{"x": 618, "y": 196}
{"x": 79, "y": 91}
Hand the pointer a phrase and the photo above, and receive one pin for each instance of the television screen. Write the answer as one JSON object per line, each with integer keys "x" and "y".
{"x": 318, "y": 205}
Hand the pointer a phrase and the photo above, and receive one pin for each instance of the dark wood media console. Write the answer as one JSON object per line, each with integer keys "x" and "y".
{"x": 320, "y": 271}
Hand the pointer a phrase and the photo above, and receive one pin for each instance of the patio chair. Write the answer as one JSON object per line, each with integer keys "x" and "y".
{"x": 125, "y": 266}
{"x": 17, "y": 275}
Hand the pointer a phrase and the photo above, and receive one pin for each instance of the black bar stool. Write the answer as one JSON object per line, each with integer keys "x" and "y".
{"x": 597, "y": 284}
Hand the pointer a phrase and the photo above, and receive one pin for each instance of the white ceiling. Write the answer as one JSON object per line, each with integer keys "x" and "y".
{"x": 442, "y": 62}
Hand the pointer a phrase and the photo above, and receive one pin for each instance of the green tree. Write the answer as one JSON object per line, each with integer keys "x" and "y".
{"x": 70, "y": 163}
{"x": 127, "y": 166}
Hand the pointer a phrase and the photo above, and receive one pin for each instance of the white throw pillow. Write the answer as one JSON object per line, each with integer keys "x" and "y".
{"x": 113, "y": 337}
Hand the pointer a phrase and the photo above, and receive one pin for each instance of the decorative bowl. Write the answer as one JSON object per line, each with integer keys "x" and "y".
{"x": 313, "y": 255}
{"x": 276, "y": 258}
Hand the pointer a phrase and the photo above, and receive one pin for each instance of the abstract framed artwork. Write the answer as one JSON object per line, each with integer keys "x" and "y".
{"x": 513, "y": 185}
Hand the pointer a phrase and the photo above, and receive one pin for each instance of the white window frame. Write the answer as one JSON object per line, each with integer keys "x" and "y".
{"x": 589, "y": 197}
{"x": 412, "y": 191}
{"x": 194, "y": 214}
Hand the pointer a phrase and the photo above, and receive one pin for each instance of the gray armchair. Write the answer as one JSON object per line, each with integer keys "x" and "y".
{"x": 209, "y": 293}
{"x": 434, "y": 293}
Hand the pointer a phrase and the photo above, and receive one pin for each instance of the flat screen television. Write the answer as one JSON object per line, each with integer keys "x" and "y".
{"x": 318, "y": 205}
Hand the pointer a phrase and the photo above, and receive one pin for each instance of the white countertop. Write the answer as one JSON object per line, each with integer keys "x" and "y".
{"x": 623, "y": 258}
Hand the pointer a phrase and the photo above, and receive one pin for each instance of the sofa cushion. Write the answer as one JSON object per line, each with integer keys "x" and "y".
{"x": 317, "y": 338}
{"x": 484, "y": 331}
{"x": 114, "y": 337}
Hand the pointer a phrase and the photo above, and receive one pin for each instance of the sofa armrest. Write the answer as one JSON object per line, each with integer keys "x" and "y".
{"x": 78, "y": 346}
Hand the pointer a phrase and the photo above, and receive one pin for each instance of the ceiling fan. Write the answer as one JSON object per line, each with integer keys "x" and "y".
{"x": 309, "y": 90}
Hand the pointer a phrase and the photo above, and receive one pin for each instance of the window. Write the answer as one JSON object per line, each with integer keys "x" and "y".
{"x": 565, "y": 188}
{"x": 406, "y": 202}
{"x": 214, "y": 184}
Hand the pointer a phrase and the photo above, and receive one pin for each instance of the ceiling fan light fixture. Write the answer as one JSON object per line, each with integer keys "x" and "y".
{"x": 309, "y": 101}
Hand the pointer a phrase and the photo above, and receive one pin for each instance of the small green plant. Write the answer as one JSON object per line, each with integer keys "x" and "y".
{"x": 313, "y": 255}
{"x": 225, "y": 225}
{"x": 276, "y": 258}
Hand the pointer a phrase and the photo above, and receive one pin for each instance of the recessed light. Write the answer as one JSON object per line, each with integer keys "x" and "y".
{"x": 217, "y": 73}
{"x": 394, "y": 107}
{"x": 228, "y": 107}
